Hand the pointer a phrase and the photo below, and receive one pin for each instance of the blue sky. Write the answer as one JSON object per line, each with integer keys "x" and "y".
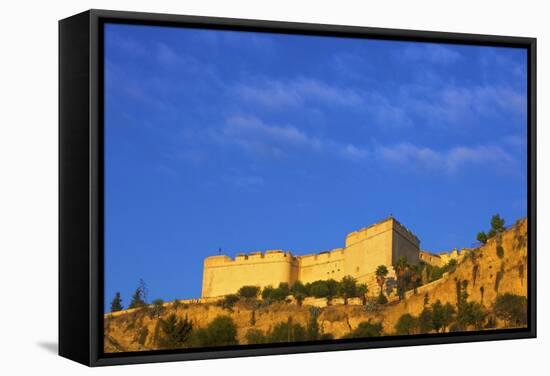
{"x": 250, "y": 141}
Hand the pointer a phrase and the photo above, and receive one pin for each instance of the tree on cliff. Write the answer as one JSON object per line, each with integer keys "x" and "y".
{"x": 222, "y": 331}
{"x": 139, "y": 298}
{"x": 362, "y": 290}
{"x": 174, "y": 332}
{"x": 497, "y": 227}
{"x": 249, "y": 292}
{"x": 381, "y": 273}
{"x": 366, "y": 329}
{"x": 287, "y": 332}
{"x": 511, "y": 308}
{"x": 347, "y": 288}
{"x": 116, "y": 304}
{"x": 407, "y": 324}
{"x": 442, "y": 315}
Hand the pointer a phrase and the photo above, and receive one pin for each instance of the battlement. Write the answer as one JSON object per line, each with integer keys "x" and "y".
{"x": 379, "y": 244}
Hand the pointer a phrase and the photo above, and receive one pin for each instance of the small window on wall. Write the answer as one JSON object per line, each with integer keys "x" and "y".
{"x": 357, "y": 269}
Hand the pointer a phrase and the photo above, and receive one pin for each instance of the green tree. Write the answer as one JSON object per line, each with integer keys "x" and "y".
{"x": 220, "y": 332}
{"x": 319, "y": 289}
{"x": 299, "y": 288}
{"x": 511, "y": 308}
{"x": 255, "y": 337}
{"x": 229, "y": 301}
{"x": 438, "y": 316}
{"x": 116, "y": 303}
{"x": 267, "y": 292}
{"x": 482, "y": 237}
{"x": 139, "y": 297}
{"x": 497, "y": 225}
{"x": 448, "y": 315}
{"x": 174, "y": 332}
{"x": 425, "y": 320}
{"x": 366, "y": 329}
{"x": 362, "y": 290}
{"x": 347, "y": 288}
{"x": 407, "y": 324}
{"x": 157, "y": 308}
{"x": 287, "y": 332}
{"x": 249, "y": 292}
{"x": 470, "y": 313}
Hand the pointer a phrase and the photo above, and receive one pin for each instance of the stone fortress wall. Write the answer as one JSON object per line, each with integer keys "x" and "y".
{"x": 379, "y": 244}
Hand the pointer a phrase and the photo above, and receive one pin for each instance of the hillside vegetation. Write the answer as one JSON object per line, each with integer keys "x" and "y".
{"x": 486, "y": 290}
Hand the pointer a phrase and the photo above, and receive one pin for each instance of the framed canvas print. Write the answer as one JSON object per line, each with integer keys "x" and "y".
{"x": 236, "y": 187}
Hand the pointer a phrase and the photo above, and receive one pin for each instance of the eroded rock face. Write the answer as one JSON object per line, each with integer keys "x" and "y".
{"x": 486, "y": 271}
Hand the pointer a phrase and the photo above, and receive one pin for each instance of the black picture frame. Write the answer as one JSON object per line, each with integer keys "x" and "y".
{"x": 81, "y": 182}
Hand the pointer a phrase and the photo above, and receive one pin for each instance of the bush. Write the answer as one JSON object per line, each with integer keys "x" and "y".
{"x": 407, "y": 324}
{"x": 425, "y": 320}
{"x": 366, "y": 329}
{"x": 249, "y": 291}
{"x": 220, "y": 332}
{"x": 255, "y": 336}
{"x": 470, "y": 313}
{"x": 381, "y": 299}
{"x": 287, "y": 332}
{"x": 157, "y": 308}
{"x": 228, "y": 301}
{"x": 511, "y": 308}
{"x": 299, "y": 288}
{"x": 319, "y": 289}
{"x": 174, "y": 333}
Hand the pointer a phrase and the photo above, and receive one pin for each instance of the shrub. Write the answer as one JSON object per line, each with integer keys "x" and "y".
{"x": 299, "y": 288}
{"x": 220, "y": 332}
{"x": 174, "y": 333}
{"x": 470, "y": 313}
{"x": 157, "y": 308}
{"x": 511, "y": 308}
{"x": 319, "y": 289}
{"x": 249, "y": 291}
{"x": 228, "y": 301}
{"x": 381, "y": 299}
{"x": 425, "y": 320}
{"x": 407, "y": 324}
{"x": 266, "y": 292}
{"x": 366, "y": 329}
{"x": 255, "y": 336}
{"x": 287, "y": 332}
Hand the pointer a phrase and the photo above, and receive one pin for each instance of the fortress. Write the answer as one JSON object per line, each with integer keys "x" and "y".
{"x": 379, "y": 244}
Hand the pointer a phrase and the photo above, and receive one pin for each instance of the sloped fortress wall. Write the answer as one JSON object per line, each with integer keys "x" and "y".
{"x": 379, "y": 244}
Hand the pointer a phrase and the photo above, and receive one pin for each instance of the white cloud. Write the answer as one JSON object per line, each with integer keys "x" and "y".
{"x": 449, "y": 160}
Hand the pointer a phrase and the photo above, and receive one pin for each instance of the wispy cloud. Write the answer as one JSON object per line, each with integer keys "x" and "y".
{"x": 432, "y": 53}
{"x": 448, "y": 161}
{"x": 252, "y": 134}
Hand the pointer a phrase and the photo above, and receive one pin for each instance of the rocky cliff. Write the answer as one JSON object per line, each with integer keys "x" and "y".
{"x": 498, "y": 267}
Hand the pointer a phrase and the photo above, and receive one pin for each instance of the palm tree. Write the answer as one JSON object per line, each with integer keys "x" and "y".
{"x": 381, "y": 273}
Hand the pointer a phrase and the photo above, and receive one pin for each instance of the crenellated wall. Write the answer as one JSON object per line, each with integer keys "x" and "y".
{"x": 379, "y": 244}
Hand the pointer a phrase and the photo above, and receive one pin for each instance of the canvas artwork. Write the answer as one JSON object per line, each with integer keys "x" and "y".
{"x": 267, "y": 189}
